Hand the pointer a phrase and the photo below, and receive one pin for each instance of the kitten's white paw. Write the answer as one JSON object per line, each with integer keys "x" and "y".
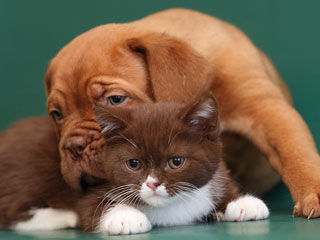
{"x": 47, "y": 219}
{"x": 124, "y": 219}
{"x": 246, "y": 208}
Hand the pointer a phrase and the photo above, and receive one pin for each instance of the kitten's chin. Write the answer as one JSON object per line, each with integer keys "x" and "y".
{"x": 156, "y": 200}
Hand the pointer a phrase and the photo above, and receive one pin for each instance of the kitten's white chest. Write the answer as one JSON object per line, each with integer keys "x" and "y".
{"x": 185, "y": 208}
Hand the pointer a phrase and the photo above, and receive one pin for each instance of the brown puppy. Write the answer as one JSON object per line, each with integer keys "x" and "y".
{"x": 170, "y": 56}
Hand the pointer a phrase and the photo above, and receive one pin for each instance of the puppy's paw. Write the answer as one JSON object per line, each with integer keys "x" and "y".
{"x": 308, "y": 206}
{"x": 47, "y": 219}
{"x": 124, "y": 219}
{"x": 246, "y": 208}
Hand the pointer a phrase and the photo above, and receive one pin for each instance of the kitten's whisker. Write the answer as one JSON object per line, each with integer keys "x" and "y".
{"x": 119, "y": 190}
{"x": 139, "y": 201}
{"x": 131, "y": 197}
{"x": 184, "y": 188}
{"x": 134, "y": 200}
{"x": 187, "y": 189}
{"x": 104, "y": 197}
{"x": 116, "y": 191}
{"x": 107, "y": 206}
{"x": 170, "y": 135}
{"x": 174, "y": 137}
{"x": 210, "y": 202}
{"x": 111, "y": 192}
{"x": 128, "y": 140}
{"x": 122, "y": 186}
{"x": 117, "y": 197}
{"x": 198, "y": 192}
{"x": 185, "y": 201}
{"x": 186, "y": 185}
{"x": 126, "y": 198}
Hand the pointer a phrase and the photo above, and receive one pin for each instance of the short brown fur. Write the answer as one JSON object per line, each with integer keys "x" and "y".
{"x": 170, "y": 55}
{"x": 153, "y": 133}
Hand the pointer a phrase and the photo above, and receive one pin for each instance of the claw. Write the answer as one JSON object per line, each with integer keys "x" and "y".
{"x": 295, "y": 211}
{"x": 311, "y": 213}
{"x": 240, "y": 217}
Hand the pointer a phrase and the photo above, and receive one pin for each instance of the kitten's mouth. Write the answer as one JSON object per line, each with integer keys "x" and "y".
{"x": 156, "y": 199}
{"x": 153, "y": 193}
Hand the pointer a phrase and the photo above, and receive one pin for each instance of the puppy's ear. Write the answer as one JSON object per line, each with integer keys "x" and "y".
{"x": 176, "y": 71}
{"x": 202, "y": 116}
{"x": 48, "y": 79}
{"x": 111, "y": 120}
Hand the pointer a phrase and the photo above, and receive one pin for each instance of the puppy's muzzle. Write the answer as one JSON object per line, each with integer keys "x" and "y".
{"x": 83, "y": 140}
{"x": 76, "y": 145}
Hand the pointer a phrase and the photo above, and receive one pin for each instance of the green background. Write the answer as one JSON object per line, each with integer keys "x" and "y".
{"x": 33, "y": 31}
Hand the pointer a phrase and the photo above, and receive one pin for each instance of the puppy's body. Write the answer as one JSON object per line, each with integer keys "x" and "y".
{"x": 169, "y": 56}
{"x": 239, "y": 70}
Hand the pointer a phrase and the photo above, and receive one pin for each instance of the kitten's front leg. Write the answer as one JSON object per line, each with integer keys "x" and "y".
{"x": 123, "y": 219}
{"x": 244, "y": 208}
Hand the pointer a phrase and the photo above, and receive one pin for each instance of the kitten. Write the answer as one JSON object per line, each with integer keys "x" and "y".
{"x": 163, "y": 165}
{"x": 33, "y": 194}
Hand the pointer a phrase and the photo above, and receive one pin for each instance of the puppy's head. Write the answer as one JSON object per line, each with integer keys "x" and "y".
{"x": 114, "y": 65}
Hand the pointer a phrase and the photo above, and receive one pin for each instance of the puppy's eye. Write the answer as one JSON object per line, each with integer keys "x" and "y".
{"x": 116, "y": 99}
{"x": 134, "y": 164}
{"x": 57, "y": 115}
{"x": 176, "y": 162}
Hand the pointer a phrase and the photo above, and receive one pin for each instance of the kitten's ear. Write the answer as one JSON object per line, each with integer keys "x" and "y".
{"x": 203, "y": 116}
{"x": 111, "y": 120}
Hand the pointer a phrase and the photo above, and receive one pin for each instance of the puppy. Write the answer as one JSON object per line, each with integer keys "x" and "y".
{"x": 174, "y": 55}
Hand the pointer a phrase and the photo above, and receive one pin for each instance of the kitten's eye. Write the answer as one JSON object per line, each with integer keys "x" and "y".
{"x": 134, "y": 164}
{"x": 176, "y": 162}
{"x": 57, "y": 115}
{"x": 116, "y": 100}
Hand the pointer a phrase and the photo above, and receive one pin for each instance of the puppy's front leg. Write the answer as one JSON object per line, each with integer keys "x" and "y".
{"x": 280, "y": 132}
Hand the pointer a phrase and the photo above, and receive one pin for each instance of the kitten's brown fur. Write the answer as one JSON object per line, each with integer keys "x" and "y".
{"x": 153, "y": 133}
{"x": 30, "y": 171}
{"x": 160, "y": 131}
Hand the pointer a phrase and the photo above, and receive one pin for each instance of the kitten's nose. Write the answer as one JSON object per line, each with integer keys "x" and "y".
{"x": 153, "y": 185}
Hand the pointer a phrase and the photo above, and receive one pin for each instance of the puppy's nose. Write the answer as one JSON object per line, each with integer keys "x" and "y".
{"x": 153, "y": 185}
{"x": 76, "y": 145}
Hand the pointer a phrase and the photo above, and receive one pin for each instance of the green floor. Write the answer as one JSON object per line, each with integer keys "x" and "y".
{"x": 280, "y": 225}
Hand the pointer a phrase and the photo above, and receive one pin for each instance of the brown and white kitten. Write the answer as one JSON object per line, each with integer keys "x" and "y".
{"x": 163, "y": 165}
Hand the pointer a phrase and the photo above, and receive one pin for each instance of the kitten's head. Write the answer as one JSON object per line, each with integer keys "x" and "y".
{"x": 155, "y": 151}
